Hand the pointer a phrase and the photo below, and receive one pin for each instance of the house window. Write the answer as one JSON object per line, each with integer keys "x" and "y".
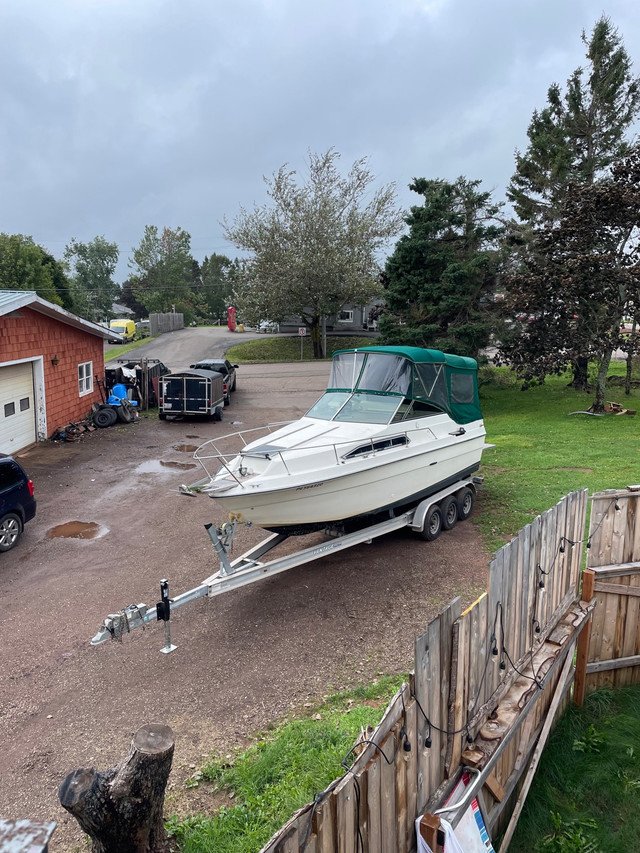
{"x": 345, "y": 317}
{"x": 85, "y": 378}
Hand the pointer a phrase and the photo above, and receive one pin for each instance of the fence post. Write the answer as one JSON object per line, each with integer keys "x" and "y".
{"x": 588, "y": 580}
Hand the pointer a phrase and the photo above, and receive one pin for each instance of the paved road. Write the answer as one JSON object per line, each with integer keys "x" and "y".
{"x": 181, "y": 348}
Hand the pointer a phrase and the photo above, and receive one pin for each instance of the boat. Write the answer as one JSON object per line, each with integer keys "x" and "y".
{"x": 395, "y": 425}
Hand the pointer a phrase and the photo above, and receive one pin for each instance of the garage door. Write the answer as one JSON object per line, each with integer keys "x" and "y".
{"x": 17, "y": 413}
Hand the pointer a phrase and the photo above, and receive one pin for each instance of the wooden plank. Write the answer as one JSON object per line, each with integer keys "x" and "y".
{"x": 448, "y": 616}
{"x": 324, "y": 825}
{"x": 524, "y": 634}
{"x": 630, "y": 630}
{"x": 289, "y": 842}
{"x": 508, "y": 835}
{"x": 458, "y": 695}
{"x": 362, "y": 805}
{"x": 387, "y": 797}
{"x": 411, "y": 764}
{"x": 427, "y": 686}
{"x": 345, "y": 801}
{"x": 618, "y": 532}
{"x": 631, "y": 509}
{"x": 588, "y": 579}
{"x": 562, "y": 559}
{"x": 512, "y": 608}
{"x": 479, "y": 641}
{"x": 617, "y": 588}
{"x": 495, "y": 595}
{"x": 495, "y": 788}
{"x": 608, "y": 665}
{"x": 374, "y": 819}
{"x": 579, "y": 533}
{"x": 400, "y": 770}
{"x": 634, "y": 553}
{"x": 617, "y": 569}
{"x": 524, "y": 741}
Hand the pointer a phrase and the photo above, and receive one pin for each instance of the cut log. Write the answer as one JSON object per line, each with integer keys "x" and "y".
{"x": 121, "y": 808}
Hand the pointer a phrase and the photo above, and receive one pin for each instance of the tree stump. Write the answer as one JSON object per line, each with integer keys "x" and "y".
{"x": 121, "y": 808}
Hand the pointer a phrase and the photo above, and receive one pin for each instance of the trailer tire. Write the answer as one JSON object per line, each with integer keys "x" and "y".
{"x": 449, "y": 510}
{"x": 162, "y": 416}
{"x": 217, "y": 414}
{"x": 465, "y": 498}
{"x": 432, "y": 527}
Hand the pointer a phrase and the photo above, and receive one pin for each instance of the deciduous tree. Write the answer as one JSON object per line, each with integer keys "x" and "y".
{"x": 26, "y": 266}
{"x": 162, "y": 270}
{"x": 92, "y": 266}
{"x": 314, "y": 247}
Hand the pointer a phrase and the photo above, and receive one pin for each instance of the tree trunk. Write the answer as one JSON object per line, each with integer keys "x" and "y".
{"x": 316, "y": 337}
{"x": 598, "y": 403}
{"x": 580, "y": 381}
{"x": 631, "y": 347}
{"x": 121, "y": 808}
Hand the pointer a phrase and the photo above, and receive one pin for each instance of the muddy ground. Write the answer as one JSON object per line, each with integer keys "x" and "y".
{"x": 244, "y": 659}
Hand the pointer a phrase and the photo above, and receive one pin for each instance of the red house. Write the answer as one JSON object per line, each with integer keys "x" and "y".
{"x": 49, "y": 361}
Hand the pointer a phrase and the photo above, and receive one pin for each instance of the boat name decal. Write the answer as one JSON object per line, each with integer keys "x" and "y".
{"x": 310, "y": 486}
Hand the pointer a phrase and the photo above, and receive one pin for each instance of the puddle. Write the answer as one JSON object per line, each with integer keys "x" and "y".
{"x": 184, "y": 466}
{"x": 77, "y": 530}
{"x": 185, "y": 448}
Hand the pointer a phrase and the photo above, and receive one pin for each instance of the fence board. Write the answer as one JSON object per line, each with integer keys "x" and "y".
{"x": 411, "y": 765}
{"x": 324, "y": 825}
{"x": 448, "y": 616}
{"x": 387, "y": 796}
{"x": 400, "y": 769}
{"x": 345, "y": 800}
{"x": 479, "y": 641}
{"x": 373, "y": 805}
{"x": 427, "y": 681}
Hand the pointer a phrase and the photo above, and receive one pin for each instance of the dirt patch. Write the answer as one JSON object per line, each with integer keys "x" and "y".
{"x": 244, "y": 659}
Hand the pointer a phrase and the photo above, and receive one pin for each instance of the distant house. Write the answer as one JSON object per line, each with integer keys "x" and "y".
{"x": 49, "y": 361}
{"x": 352, "y": 319}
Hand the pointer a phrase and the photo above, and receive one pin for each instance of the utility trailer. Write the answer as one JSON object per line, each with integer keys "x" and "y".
{"x": 438, "y": 512}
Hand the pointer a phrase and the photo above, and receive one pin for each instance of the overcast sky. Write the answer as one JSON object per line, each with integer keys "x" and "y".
{"x": 118, "y": 114}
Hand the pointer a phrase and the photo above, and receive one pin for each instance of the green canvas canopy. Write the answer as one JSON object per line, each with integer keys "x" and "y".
{"x": 448, "y": 382}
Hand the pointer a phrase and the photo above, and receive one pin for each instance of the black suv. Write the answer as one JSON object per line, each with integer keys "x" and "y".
{"x": 224, "y": 368}
{"x": 17, "y": 503}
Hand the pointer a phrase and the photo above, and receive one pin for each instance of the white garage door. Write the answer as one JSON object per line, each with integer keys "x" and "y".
{"x": 17, "y": 415}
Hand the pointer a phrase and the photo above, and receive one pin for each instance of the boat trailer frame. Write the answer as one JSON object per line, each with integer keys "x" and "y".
{"x": 249, "y": 567}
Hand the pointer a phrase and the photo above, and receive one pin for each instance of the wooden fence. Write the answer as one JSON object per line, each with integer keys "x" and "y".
{"x": 614, "y": 556}
{"x": 486, "y": 686}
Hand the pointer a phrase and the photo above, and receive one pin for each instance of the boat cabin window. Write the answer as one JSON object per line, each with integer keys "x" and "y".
{"x": 411, "y": 409}
{"x": 328, "y": 405}
{"x": 380, "y": 444}
{"x": 462, "y": 388}
{"x": 430, "y": 383}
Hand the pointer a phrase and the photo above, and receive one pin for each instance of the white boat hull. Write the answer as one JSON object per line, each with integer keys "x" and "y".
{"x": 346, "y": 488}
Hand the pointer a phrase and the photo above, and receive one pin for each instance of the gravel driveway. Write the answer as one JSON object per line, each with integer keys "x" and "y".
{"x": 244, "y": 659}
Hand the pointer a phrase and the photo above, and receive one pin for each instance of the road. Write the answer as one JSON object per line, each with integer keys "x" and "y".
{"x": 244, "y": 659}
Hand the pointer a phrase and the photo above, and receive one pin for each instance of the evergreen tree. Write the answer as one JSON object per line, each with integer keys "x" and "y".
{"x": 441, "y": 278}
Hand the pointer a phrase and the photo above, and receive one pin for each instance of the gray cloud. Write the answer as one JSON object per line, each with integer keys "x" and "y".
{"x": 117, "y": 114}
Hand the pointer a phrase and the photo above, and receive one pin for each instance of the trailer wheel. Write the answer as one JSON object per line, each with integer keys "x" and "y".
{"x": 432, "y": 527}
{"x": 465, "y": 499}
{"x": 162, "y": 416}
{"x": 449, "y": 510}
{"x": 217, "y": 414}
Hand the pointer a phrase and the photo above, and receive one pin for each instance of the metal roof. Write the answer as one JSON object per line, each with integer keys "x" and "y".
{"x": 14, "y": 300}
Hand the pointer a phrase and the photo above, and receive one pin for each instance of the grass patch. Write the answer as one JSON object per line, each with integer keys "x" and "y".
{"x": 288, "y": 348}
{"x": 542, "y": 452}
{"x": 587, "y": 787}
{"x": 281, "y": 772}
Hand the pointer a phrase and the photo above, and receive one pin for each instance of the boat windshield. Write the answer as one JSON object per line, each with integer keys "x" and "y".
{"x": 356, "y": 408}
{"x": 328, "y": 405}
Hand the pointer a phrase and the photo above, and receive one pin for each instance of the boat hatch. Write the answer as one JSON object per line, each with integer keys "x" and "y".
{"x": 264, "y": 450}
{"x": 380, "y": 444}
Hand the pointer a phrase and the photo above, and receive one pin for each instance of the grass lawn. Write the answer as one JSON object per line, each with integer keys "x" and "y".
{"x": 585, "y": 795}
{"x": 543, "y": 452}
{"x": 285, "y": 348}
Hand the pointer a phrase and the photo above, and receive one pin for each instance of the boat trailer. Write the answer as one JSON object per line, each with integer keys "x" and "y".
{"x": 249, "y": 567}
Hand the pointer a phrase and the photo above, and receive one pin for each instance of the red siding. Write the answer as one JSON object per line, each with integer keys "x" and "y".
{"x": 33, "y": 334}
